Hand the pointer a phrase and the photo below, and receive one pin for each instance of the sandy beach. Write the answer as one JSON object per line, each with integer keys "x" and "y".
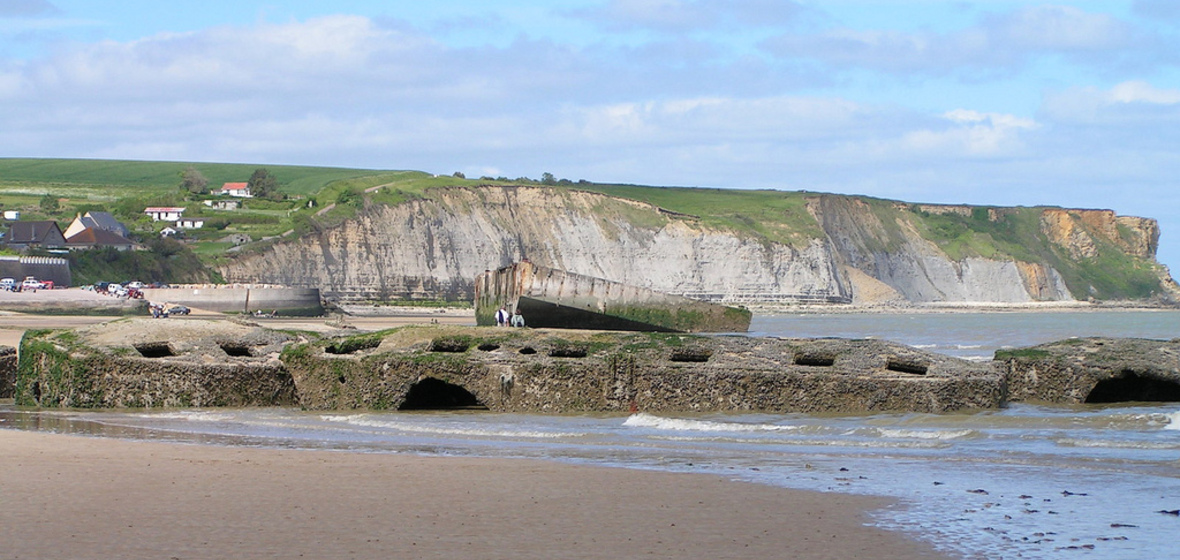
{"x": 78, "y": 497}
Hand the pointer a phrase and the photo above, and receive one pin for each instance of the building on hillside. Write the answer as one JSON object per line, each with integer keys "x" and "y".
{"x": 236, "y": 239}
{"x": 240, "y": 190}
{"x": 98, "y": 220}
{"x": 12, "y": 215}
{"x": 190, "y": 223}
{"x": 91, "y": 238}
{"x": 169, "y": 231}
{"x": 164, "y": 213}
{"x": 42, "y": 233}
{"x": 224, "y": 204}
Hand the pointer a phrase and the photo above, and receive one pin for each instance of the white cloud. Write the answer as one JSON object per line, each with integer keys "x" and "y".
{"x": 1143, "y": 92}
{"x": 1059, "y": 28}
{"x": 972, "y": 134}
{"x": 691, "y": 15}
{"x": 995, "y": 42}
{"x": 1133, "y": 105}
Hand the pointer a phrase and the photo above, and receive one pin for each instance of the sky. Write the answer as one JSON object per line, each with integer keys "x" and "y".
{"x": 988, "y": 102}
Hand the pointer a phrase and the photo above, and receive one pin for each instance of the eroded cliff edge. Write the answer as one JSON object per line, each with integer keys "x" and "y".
{"x": 836, "y": 249}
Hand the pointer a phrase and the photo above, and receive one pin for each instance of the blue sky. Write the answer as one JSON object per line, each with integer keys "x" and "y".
{"x": 1068, "y": 103}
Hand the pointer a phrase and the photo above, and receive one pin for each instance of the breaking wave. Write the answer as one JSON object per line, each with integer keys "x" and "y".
{"x": 644, "y": 420}
{"x": 365, "y": 421}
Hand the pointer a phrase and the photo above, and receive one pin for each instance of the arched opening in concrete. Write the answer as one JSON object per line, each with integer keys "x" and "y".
{"x": 436, "y": 394}
{"x": 1129, "y": 386}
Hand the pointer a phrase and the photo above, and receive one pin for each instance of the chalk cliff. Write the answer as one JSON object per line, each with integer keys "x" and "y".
{"x": 869, "y": 250}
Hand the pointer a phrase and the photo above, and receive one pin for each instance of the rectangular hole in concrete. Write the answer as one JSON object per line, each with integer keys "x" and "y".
{"x": 154, "y": 350}
{"x": 906, "y": 366}
{"x": 568, "y": 352}
{"x": 236, "y": 350}
{"x": 815, "y": 360}
{"x": 691, "y": 356}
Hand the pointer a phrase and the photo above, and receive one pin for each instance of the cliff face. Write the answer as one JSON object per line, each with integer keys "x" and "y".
{"x": 870, "y": 250}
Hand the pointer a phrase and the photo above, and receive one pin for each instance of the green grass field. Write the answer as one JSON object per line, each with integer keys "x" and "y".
{"x": 68, "y": 177}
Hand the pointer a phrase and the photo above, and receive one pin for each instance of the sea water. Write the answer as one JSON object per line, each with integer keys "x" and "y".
{"x": 1020, "y": 482}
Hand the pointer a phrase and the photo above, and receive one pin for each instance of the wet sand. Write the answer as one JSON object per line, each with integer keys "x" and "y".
{"x": 77, "y": 497}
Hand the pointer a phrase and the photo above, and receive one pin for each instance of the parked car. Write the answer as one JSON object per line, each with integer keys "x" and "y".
{"x": 7, "y": 284}
{"x": 178, "y": 310}
{"x": 136, "y": 284}
{"x": 31, "y": 283}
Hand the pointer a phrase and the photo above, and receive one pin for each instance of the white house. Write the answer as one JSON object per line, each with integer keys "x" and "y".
{"x": 12, "y": 215}
{"x": 190, "y": 223}
{"x": 240, "y": 190}
{"x": 164, "y": 214}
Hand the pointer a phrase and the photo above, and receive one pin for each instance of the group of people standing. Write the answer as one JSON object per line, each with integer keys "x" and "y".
{"x": 506, "y": 319}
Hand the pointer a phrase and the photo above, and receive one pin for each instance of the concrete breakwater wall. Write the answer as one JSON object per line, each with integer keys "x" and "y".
{"x": 146, "y": 363}
{"x": 7, "y": 372}
{"x": 515, "y": 370}
{"x": 133, "y": 362}
{"x": 1094, "y": 370}
{"x": 242, "y": 298}
{"x": 554, "y": 298}
{"x": 136, "y": 363}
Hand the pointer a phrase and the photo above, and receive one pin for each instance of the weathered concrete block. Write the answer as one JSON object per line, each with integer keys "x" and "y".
{"x": 550, "y": 298}
{"x": 1094, "y": 370}
{"x": 527, "y": 370}
{"x": 154, "y": 363}
{"x": 7, "y": 371}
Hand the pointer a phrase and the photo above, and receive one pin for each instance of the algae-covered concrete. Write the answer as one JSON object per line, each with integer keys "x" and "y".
{"x": 177, "y": 363}
{"x": 551, "y": 298}
{"x": 1094, "y": 370}
{"x": 154, "y": 363}
{"x": 526, "y": 370}
{"x": 7, "y": 371}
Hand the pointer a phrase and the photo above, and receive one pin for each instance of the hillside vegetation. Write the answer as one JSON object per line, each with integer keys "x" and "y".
{"x": 318, "y": 198}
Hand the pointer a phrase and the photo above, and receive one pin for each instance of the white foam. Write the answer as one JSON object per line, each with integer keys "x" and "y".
{"x": 370, "y": 422}
{"x": 189, "y": 416}
{"x": 644, "y": 420}
{"x": 1112, "y": 444}
{"x": 1173, "y": 421}
{"x": 924, "y": 434}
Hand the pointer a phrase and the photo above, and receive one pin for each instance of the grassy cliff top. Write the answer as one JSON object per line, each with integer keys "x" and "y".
{"x": 321, "y": 197}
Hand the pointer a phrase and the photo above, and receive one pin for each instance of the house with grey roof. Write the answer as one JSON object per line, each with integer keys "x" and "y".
{"x": 97, "y": 220}
{"x": 38, "y": 233}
